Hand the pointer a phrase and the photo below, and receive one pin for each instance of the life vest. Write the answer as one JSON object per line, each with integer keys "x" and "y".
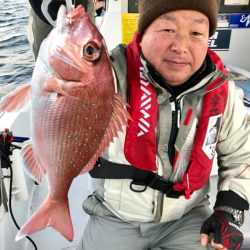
{"x": 140, "y": 143}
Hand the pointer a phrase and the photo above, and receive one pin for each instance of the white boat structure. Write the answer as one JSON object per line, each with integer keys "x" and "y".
{"x": 26, "y": 195}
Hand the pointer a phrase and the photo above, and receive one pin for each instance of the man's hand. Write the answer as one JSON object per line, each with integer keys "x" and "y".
{"x": 99, "y": 4}
{"x": 226, "y": 234}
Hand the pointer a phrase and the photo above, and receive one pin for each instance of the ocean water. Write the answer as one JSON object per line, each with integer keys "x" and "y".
{"x": 16, "y": 60}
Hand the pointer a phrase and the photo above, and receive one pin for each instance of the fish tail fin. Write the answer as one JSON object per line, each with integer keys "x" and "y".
{"x": 16, "y": 100}
{"x": 51, "y": 213}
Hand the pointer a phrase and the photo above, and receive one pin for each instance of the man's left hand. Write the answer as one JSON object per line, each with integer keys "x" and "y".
{"x": 226, "y": 234}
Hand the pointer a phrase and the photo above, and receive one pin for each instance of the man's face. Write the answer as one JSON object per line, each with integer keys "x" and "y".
{"x": 176, "y": 44}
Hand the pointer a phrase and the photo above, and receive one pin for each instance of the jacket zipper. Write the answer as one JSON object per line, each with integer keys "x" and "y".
{"x": 176, "y": 111}
{"x": 175, "y": 107}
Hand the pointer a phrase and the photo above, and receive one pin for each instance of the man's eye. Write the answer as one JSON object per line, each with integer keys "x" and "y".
{"x": 169, "y": 30}
{"x": 195, "y": 33}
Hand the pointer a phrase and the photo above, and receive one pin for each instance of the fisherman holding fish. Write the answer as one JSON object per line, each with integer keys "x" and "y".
{"x": 153, "y": 180}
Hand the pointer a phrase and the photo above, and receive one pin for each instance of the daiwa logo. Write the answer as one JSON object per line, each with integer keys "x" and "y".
{"x": 146, "y": 100}
{"x": 245, "y": 19}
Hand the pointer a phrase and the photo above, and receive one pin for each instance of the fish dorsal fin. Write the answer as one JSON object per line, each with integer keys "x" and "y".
{"x": 119, "y": 118}
{"x": 16, "y": 100}
{"x": 31, "y": 165}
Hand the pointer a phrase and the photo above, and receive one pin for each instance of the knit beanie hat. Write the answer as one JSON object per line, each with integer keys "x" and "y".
{"x": 149, "y": 10}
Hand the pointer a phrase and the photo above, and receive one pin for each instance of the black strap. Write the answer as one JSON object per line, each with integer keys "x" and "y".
{"x": 109, "y": 170}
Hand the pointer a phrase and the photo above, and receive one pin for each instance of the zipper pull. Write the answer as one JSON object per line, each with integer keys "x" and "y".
{"x": 178, "y": 108}
{"x": 178, "y": 118}
{"x": 172, "y": 103}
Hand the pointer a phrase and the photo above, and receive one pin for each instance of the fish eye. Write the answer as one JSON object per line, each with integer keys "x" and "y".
{"x": 91, "y": 51}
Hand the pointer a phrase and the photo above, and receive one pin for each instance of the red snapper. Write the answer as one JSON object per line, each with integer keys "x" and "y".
{"x": 75, "y": 114}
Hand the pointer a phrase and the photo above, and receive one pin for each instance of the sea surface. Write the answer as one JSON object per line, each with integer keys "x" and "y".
{"x": 16, "y": 60}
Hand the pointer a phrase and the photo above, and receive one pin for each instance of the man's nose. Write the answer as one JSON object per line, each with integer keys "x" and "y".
{"x": 180, "y": 43}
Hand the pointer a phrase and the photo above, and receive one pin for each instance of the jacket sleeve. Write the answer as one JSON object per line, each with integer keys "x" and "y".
{"x": 233, "y": 151}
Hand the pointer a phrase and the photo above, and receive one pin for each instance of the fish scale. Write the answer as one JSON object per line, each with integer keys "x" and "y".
{"x": 58, "y": 136}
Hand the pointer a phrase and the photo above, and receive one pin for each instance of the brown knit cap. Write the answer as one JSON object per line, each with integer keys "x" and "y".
{"x": 151, "y": 9}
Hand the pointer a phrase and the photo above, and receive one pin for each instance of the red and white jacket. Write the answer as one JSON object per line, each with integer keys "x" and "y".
{"x": 212, "y": 120}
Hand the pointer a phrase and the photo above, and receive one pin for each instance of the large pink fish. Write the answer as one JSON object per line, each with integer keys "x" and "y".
{"x": 75, "y": 114}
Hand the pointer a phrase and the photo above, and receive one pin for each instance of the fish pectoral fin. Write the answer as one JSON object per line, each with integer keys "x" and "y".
{"x": 53, "y": 213}
{"x": 33, "y": 168}
{"x": 120, "y": 117}
{"x": 16, "y": 99}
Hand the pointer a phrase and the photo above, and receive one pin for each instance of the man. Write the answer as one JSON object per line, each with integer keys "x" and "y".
{"x": 153, "y": 181}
